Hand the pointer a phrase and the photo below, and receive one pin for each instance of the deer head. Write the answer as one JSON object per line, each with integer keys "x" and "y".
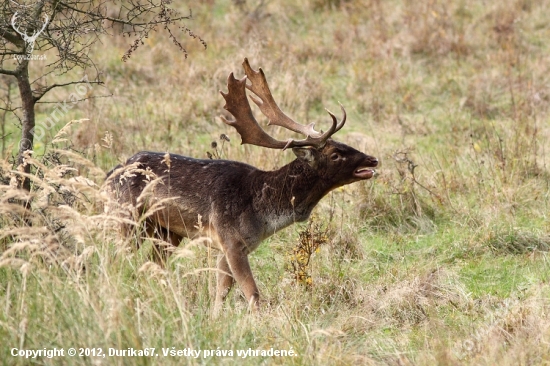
{"x": 328, "y": 157}
{"x": 29, "y": 40}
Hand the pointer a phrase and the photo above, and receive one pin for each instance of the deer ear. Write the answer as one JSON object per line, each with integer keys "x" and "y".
{"x": 305, "y": 154}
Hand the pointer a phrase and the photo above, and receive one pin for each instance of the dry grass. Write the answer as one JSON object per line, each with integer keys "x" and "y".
{"x": 441, "y": 259}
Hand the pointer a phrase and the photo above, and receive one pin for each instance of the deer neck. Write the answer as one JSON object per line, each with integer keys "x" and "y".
{"x": 288, "y": 194}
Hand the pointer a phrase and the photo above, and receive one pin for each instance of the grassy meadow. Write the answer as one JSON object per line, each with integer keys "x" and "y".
{"x": 442, "y": 258}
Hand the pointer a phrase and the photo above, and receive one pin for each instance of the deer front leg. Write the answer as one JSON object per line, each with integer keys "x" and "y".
{"x": 238, "y": 263}
{"x": 225, "y": 282}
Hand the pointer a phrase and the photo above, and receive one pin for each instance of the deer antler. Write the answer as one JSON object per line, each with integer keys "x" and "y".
{"x": 13, "y": 19}
{"x": 245, "y": 123}
{"x": 258, "y": 85}
{"x": 29, "y": 39}
{"x": 44, "y": 24}
{"x": 247, "y": 126}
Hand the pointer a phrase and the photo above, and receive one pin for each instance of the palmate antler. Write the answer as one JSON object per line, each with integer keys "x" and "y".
{"x": 247, "y": 126}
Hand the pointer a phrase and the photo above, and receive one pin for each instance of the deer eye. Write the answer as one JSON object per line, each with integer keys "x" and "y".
{"x": 334, "y": 156}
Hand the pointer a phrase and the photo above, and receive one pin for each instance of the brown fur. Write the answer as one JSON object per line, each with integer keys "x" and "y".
{"x": 239, "y": 205}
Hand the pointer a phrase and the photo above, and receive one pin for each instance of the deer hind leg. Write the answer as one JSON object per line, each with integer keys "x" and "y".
{"x": 225, "y": 282}
{"x": 161, "y": 251}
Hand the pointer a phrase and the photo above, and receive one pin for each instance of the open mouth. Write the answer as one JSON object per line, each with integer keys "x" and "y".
{"x": 364, "y": 173}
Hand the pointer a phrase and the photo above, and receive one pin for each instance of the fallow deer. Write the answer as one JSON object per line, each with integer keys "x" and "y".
{"x": 239, "y": 205}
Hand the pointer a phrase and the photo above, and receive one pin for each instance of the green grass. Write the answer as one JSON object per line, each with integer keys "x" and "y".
{"x": 443, "y": 263}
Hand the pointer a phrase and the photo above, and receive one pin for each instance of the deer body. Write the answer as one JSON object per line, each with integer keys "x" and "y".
{"x": 237, "y": 204}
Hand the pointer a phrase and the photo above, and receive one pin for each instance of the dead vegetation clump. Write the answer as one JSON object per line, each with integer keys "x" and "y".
{"x": 412, "y": 302}
{"x": 310, "y": 241}
{"x": 516, "y": 241}
{"x": 514, "y": 332}
{"x": 399, "y": 200}
{"x": 58, "y": 220}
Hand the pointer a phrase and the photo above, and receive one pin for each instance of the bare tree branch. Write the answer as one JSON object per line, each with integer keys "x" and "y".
{"x": 9, "y": 109}
{"x": 79, "y": 100}
{"x": 122, "y": 21}
{"x": 41, "y": 91}
{"x": 8, "y": 72}
{"x": 12, "y": 38}
{"x": 72, "y": 28}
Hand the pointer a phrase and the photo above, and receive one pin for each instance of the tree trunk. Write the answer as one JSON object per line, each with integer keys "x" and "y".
{"x": 27, "y": 128}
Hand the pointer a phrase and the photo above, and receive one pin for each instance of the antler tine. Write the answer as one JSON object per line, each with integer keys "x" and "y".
{"x": 44, "y": 24}
{"x": 13, "y": 19}
{"x": 336, "y": 126}
{"x": 268, "y": 106}
{"x": 342, "y": 122}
